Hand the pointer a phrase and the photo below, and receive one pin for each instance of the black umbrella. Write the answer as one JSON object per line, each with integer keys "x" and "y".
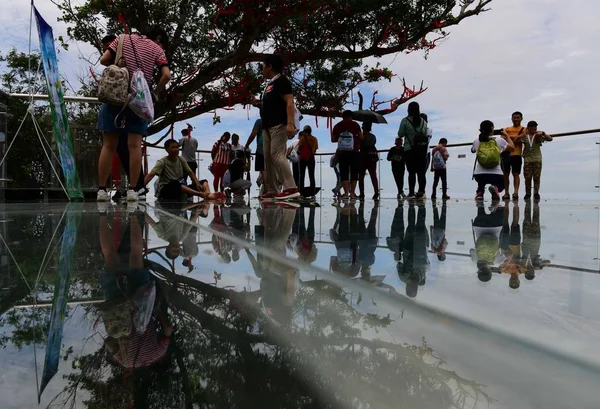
{"x": 365, "y": 115}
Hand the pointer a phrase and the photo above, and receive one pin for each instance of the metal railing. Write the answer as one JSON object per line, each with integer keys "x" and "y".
{"x": 203, "y": 158}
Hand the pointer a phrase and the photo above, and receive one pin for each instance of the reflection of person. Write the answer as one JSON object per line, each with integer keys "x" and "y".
{"x": 345, "y": 233}
{"x": 220, "y": 245}
{"x": 302, "y": 238}
{"x": 125, "y": 279}
{"x": 438, "y": 233}
{"x": 416, "y": 242}
{"x": 510, "y": 244}
{"x": 532, "y": 237}
{"x": 369, "y": 240}
{"x": 174, "y": 231}
{"x": 395, "y": 241}
{"x": 486, "y": 235}
{"x": 278, "y": 282}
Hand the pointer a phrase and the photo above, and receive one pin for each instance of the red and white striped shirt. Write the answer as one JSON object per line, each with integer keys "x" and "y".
{"x": 149, "y": 55}
{"x": 223, "y": 152}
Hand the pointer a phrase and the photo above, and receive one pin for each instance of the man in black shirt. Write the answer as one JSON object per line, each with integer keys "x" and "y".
{"x": 277, "y": 114}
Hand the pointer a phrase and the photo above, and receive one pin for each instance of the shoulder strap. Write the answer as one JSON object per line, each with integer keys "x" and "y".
{"x": 119, "y": 56}
{"x": 137, "y": 60}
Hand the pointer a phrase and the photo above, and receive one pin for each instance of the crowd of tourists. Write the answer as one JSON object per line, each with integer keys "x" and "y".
{"x": 499, "y": 154}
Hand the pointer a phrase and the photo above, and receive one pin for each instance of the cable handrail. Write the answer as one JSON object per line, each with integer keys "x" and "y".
{"x": 451, "y": 145}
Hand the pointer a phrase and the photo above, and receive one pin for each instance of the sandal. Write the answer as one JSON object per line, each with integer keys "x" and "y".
{"x": 506, "y": 197}
{"x": 515, "y": 197}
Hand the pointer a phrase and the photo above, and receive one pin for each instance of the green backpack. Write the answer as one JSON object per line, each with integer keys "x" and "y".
{"x": 486, "y": 248}
{"x": 488, "y": 154}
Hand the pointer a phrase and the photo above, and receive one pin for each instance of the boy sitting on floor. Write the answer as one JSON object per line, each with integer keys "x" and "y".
{"x": 172, "y": 171}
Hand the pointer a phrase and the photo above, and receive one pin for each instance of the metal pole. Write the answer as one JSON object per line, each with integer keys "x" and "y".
{"x": 67, "y": 98}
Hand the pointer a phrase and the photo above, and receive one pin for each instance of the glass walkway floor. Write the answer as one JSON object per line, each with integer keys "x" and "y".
{"x": 319, "y": 305}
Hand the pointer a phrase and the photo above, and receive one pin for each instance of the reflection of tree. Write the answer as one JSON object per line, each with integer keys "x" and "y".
{"x": 226, "y": 355}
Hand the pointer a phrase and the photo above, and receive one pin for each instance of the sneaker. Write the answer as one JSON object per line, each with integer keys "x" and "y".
{"x": 132, "y": 207}
{"x": 527, "y": 196}
{"x": 537, "y": 197}
{"x": 446, "y": 197}
{"x": 102, "y": 196}
{"x": 494, "y": 192}
{"x": 376, "y": 196}
{"x": 420, "y": 196}
{"x": 267, "y": 196}
{"x": 102, "y": 207}
{"x": 288, "y": 194}
{"x": 410, "y": 196}
{"x": 515, "y": 197}
{"x": 142, "y": 194}
{"x": 132, "y": 195}
{"x": 506, "y": 197}
{"x": 479, "y": 196}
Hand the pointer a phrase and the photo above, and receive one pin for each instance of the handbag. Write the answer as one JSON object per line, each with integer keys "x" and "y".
{"x": 113, "y": 87}
{"x": 140, "y": 101}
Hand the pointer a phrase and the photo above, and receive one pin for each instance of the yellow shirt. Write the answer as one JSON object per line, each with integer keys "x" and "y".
{"x": 515, "y": 132}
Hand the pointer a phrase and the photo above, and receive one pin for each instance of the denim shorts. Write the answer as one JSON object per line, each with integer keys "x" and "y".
{"x": 133, "y": 123}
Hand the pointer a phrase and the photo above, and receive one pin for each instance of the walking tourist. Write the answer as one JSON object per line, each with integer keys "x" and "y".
{"x": 307, "y": 147}
{"x": 139, "y": 52}
{"x": 512, "y": 162}
{"x": 189, "y": 146}
{"x": 259, "y": 157}
{"x": 439, "y": 157}
{"x": 348, "y": 135}
{"x": 396, "y": 157}
{"x": 221, "y": 156}
{"x": 532, "y": 156}
{"x": 278, "y": 119}
{"x": 413, "y": 129}
{"x": 368, "y": 161}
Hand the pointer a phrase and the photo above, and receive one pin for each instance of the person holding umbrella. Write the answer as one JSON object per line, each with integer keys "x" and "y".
{"x": 413, "y": 129}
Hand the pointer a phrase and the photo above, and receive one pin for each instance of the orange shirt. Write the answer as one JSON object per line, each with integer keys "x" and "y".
{"x": 312, "y": 142}
{"x": 515, "y": 132}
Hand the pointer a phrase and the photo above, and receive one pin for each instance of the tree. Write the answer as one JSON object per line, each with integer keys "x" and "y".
{"x": 225, "y": 354}
{"x": 213, "y": 45}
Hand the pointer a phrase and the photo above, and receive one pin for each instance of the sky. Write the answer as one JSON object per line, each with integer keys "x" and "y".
{"x": 535, "y": 56}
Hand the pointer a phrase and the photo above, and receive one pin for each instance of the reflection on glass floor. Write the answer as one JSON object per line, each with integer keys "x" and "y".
{"x": 353, "y": 305}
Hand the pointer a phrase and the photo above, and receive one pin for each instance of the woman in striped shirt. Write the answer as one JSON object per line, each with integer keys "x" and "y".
{"x": 221, "y": 156}
{"x": 143, "y": 53}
